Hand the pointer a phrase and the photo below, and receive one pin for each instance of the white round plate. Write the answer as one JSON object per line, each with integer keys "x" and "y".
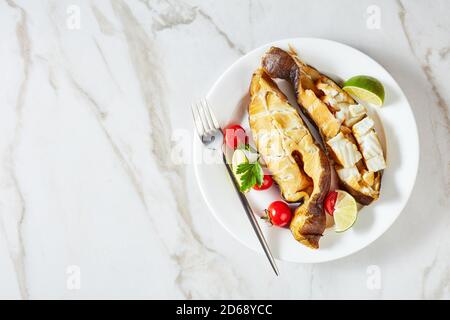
{"x": 396, "y": 127}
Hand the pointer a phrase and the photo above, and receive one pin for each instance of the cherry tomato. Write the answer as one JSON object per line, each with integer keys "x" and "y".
{"x": 235, "y": 136}
{"x": 279, "y": 214}
{"x": 266, "y": 184}
{"x": 330, "y": 201}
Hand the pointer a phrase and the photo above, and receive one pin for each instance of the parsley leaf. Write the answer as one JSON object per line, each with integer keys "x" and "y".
{"x": 259, "y": 174}
{"x": 252, "y": 174}
{"x": 244, "y": 167}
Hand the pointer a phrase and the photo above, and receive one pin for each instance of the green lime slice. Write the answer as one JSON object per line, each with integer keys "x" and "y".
{"x": 366, "y": 89}
{"x": 345, "y": 211}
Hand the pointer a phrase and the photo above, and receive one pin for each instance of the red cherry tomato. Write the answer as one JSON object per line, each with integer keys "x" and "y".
{"x": 266, "y": 184}
{"x": 234, "y": 136}
{"x": 279, "y": 214}
{"x": 330, "y": 202}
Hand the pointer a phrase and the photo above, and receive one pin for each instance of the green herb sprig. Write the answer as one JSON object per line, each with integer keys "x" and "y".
{"x": 252, "y": 173}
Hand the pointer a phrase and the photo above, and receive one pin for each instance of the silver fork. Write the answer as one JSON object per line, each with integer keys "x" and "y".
{"x": 211, "y": 135}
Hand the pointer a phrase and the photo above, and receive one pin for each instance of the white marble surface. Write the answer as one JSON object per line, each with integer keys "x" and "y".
{"x": 86, "y": 121}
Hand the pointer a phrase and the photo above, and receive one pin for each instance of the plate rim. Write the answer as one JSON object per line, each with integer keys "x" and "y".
{"x": 415, "y": 164}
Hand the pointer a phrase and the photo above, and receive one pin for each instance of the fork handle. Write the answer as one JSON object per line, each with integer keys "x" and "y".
{"x": 251, "y": 217}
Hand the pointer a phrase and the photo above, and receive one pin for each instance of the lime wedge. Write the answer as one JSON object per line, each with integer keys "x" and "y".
{"x": 366, "y": 89}
{"x": 238, "y": 158}
{"x": 345, "y": 211}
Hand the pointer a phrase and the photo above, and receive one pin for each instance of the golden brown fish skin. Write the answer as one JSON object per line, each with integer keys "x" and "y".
{"x": 309, "y": 221}
{"x": 292, "y": 190}
{"x": 280, "y": 64}
{"x": 285, "y": 65}
{"x": 310, "y": 231}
